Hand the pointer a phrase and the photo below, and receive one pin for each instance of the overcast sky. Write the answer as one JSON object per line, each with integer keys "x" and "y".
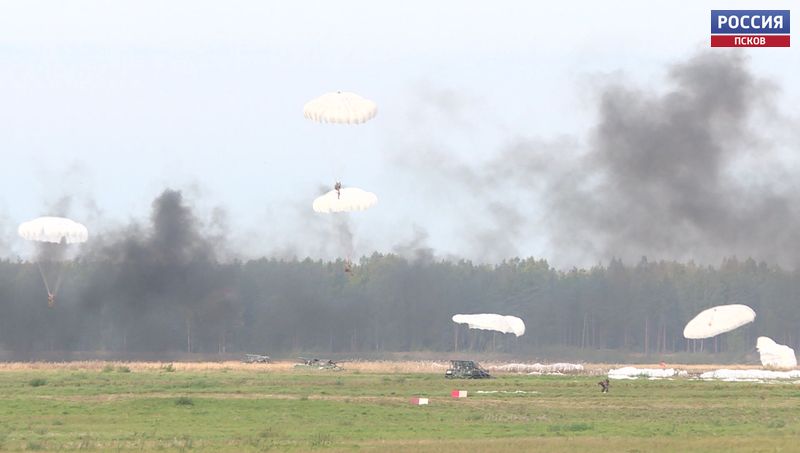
{"x": 109, "y": 103}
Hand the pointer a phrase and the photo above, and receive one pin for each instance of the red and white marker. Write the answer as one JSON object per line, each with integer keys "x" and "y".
{"x": 458, "y": 393}
{"x": 419, "y": 401}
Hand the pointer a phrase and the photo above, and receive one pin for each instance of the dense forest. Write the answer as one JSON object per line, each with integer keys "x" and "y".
{"x": 387, "y": 303}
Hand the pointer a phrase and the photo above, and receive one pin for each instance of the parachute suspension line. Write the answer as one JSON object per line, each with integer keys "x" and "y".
{"x": 44, "y": 279}
{"x": 51, "y": 298}
{"x": 58, "y": 279}
{"x": 348, "y": 265}
{"x": 338, "y": 168}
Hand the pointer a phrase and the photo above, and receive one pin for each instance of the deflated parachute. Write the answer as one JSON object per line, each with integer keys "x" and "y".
{"x": 774, "y": 355}
{"x": 342, "y": 107}
{"x": 716, "y": 320}
{"x": 345, "y": 200}
{"x": 54, "y": 230}
{"x": 491, "y": 321}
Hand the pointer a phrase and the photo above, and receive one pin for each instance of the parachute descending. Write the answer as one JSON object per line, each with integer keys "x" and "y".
{"x": 492, "y": 321}
{"x": 716, "y": 320}
{"x": 54, "y": 234}
{"x": 54, "y": 230}
{"x": 342, "y": 107}
{"x": 345, "y": 200}
{"x": 774, "y": 355}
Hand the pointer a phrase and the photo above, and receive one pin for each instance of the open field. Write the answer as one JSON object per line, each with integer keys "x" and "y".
{"x": 229, "y": 406}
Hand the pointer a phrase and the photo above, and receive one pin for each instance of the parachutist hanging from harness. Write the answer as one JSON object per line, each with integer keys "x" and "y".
{"x": 348, "y": 265}
{"x": 338, "y": 188}
{"x": 52, "y": 235}
{"x": 51, "y": 295}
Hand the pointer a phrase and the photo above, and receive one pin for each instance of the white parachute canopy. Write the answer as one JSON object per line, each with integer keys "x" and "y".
{"x": 56, "y": 230}
{"x": 492, "y": 321}
{"x": 716, "y": 320}
{"x": 342, "y": 107}
{"x": 774, "y": 355}
{"x": 346, "y": 200}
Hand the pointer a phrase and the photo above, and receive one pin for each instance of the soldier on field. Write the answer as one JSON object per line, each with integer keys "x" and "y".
{"x": 604, "y": 384}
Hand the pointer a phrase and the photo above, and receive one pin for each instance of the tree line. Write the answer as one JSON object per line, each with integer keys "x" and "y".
{"x": 387, "y": 303}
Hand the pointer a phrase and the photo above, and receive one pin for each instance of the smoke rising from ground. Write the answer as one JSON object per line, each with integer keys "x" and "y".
{"x": 681, "y": 171}
{"x": 160, "y": 269}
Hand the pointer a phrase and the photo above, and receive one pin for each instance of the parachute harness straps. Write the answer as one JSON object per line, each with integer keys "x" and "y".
{"x": 51, "y": 294}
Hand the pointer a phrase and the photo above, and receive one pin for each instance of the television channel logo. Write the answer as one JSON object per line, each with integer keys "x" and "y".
{"x": 749, "y": 28}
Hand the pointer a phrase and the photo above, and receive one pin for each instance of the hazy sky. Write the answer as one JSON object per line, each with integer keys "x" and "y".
{"x": 109, "y": 103}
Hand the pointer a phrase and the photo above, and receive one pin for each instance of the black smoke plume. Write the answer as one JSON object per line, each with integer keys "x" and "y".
{"x": 686, "y": 170}
{"x": 164, "y": 271}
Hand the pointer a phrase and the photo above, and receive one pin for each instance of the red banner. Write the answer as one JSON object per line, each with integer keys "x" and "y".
{"x": 749, "y": 40}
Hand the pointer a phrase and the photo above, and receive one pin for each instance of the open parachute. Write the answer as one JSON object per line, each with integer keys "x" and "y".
{"x": 716, "y": 320}
{"x": 341, "y": 107}
{"x": 774, "y": 355}
{"x": 492, "y": 321}
{"x": 55, "y": 230}
{"x": 345, "y": 200}
{"x": 53, "y": 234}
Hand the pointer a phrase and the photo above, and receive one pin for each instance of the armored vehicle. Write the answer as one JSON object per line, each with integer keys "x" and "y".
{"x": 465, "y": 369}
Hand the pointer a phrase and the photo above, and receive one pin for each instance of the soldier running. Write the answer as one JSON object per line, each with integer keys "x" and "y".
{"x": 605, "y": 384}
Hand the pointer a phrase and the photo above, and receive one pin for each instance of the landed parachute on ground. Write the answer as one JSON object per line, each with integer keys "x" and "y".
{"x": 341, "y": 107}
{"x": 345, "y": 200}
{"x": 774, "y": 355}
{"x": 492, "y": 321}
{"x": 54, "y": 233}
{"x": 716, "y": 320}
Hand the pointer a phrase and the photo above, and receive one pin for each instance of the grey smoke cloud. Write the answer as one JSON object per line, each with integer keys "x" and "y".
{"x": 680, "y": 171}
{"x": 166, "y": 266}
{"x": 658, "y": 178}
{"x": 416, "y": 249}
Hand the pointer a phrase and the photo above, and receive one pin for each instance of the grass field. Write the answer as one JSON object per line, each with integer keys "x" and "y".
{"x": 97, "y": 406}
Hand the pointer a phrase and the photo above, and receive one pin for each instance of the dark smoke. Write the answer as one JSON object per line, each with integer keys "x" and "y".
{"x": 344, "y": 234}
{"x": 678, "y": 172}
{"x": 167, "y": 270}
{"x": 416, "y": 249}
{"x": 334, "y": 232}
{"x": 660, "y": 178}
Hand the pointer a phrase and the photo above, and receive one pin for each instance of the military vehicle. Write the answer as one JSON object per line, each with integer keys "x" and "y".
{"x": 256, "y": 358}
{"x": 319, "y": 364}
{"x": 466, "y": 369}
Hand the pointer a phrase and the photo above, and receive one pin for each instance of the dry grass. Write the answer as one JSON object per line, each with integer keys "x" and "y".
{"x": 287, "y": 366}
{"x": 420, "y": 366}
{"x": 100, "y": 365}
